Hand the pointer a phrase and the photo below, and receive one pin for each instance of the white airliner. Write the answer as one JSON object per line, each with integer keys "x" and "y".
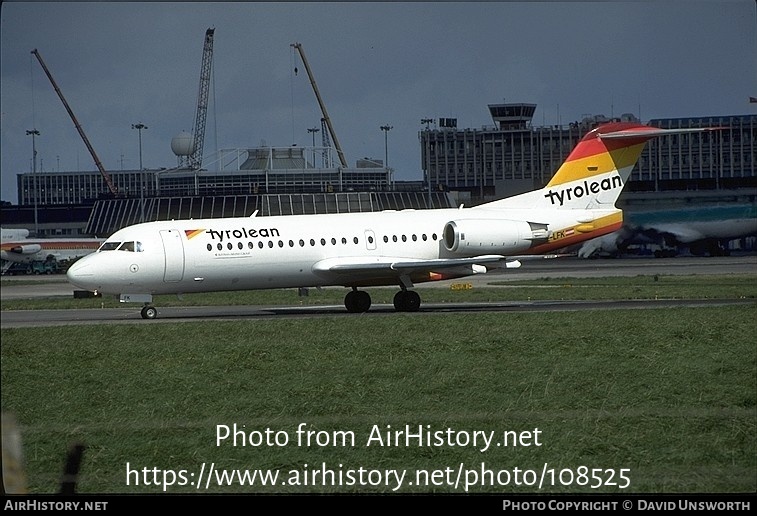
{"x": 370, "y": 249}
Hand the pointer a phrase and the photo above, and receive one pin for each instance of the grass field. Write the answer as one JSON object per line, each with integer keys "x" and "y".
{"x": 638, "y": 287}
{"x": 664, "y": 400}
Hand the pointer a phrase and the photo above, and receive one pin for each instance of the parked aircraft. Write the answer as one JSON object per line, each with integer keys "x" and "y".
{"x": 13, "y": 234}
{"x": 700, "y": 230}
{"x": 17, "y": 247}
{"x": 358, "y": 250}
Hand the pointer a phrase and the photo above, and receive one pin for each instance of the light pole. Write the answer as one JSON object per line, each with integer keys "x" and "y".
{"x": 428, "y": 121}
{"x": 386, "y": 129}
{"x": 139, "y": 128}
{"x": 313, "y": 130}
{"x": 34, "y": 133}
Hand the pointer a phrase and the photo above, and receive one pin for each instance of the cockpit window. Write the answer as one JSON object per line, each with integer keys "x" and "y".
{"x": 109, "y": 246}
{"x": 130, "y": 246}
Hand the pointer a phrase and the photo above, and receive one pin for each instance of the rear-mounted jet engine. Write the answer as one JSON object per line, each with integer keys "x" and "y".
{"x": 496, "y": 236}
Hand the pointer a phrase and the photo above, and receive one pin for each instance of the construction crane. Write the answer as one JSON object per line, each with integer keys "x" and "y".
{"x": 112, "y": 187}
{"x": 326, "y": 144}
{"x": 194, "y": 160}
{"x": 326, "y": 118}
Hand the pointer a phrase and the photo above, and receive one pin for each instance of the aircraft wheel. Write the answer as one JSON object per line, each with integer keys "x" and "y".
{"x": 349, "y": 302}
{"x": 413, "y": 302}
{"x": 149, "y": 312}
{"x": 399, "y": 300}
{"x": 407, "y": 301}
{"x": 357, "y": 301}
{"x": 364, "y": 301}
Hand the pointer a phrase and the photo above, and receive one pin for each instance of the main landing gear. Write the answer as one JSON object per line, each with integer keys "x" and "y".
{"x": 407, "y": 301}
{"x": 359, "y": 301}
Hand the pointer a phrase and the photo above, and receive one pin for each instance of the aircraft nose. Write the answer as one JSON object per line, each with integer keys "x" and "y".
{"x": 80, "y": 273}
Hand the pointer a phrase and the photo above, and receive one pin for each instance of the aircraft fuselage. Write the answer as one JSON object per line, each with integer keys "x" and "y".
{"x": 304, "y": 250}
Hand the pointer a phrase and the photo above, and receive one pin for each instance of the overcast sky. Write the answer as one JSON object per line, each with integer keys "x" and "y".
{"x": 383, "y": 63}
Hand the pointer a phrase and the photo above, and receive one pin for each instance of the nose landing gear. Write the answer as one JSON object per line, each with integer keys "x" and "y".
{"x": 149, "y": 312}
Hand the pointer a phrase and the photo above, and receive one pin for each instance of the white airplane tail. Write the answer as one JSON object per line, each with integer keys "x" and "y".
{"x": 594, "y": 173}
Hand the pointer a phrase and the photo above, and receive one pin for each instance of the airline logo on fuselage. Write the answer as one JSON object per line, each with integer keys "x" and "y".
{"x": 191, "y": 233}
{"x": 587, "y": 188}
{"x": 228, "y": 234}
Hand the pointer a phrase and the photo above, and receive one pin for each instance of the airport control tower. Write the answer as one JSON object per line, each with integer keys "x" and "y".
{"x": 512, "y": 116}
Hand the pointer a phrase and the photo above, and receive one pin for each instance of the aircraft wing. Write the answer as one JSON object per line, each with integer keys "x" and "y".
{"x": 400, "y": 265}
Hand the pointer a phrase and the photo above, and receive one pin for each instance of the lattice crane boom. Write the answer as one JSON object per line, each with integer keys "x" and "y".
{"x": 195, "y": 159}
{"x": 326, "y": 118}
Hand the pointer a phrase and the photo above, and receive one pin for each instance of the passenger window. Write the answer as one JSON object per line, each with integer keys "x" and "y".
{"x": 386, "y": 239}
{"x": 355, "y": 240}
{"x": 210, "y": 247}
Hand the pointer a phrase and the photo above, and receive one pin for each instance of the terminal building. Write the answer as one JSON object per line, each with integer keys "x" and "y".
{"x": 513, "y": 156}
{"x": 266, "y": 181}
{"x": 244, "y": 171}
{"x": 469, "y": 165}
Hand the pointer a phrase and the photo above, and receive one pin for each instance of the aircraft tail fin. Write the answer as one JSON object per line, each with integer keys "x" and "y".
{"x": 594, "y": 173}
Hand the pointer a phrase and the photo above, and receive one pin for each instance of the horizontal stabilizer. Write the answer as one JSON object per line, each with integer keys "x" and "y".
{"x": 650, "y": 132}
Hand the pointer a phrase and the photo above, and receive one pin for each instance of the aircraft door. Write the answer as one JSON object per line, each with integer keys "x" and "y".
{"x": 370, "y": 240}
{"x": 174, "y": 255}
